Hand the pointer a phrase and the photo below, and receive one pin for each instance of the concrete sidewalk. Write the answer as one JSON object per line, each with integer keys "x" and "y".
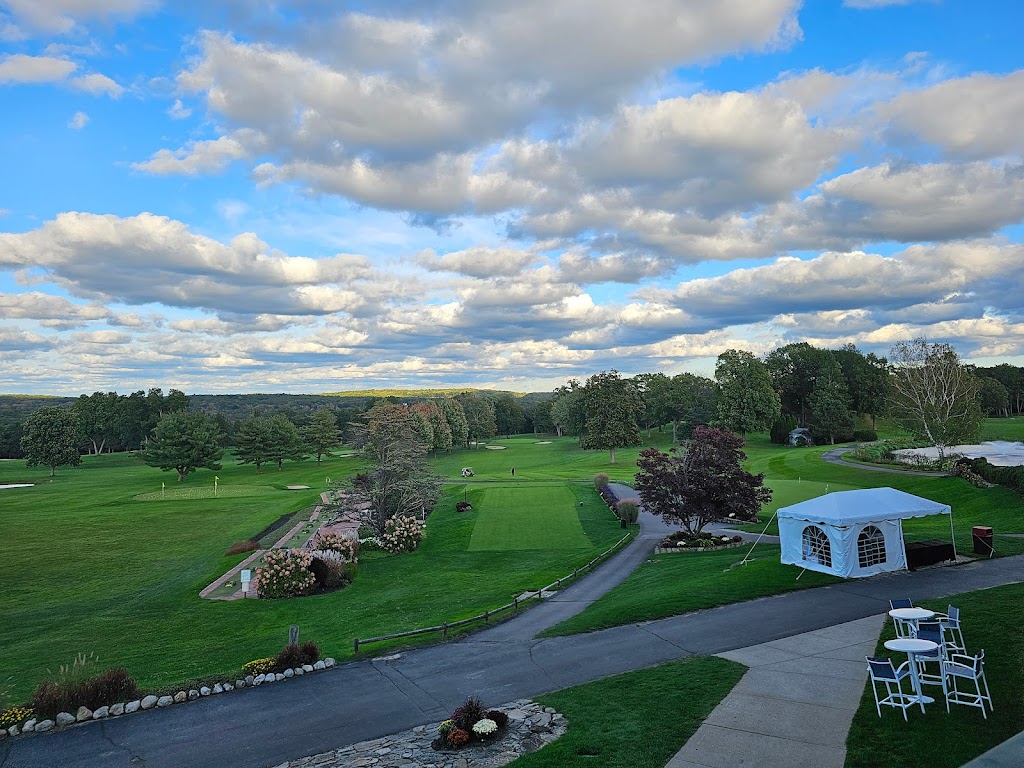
{"x": 793, "y": 707}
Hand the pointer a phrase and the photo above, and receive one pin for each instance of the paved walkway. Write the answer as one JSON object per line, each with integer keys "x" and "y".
{"x": 363, "y": 700}
{"x": 794, "y": 706}
{"x": 835, "y": 456}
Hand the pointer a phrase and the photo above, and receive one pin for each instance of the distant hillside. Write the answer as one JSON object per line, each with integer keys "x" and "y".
{"x": 420, "y": 393}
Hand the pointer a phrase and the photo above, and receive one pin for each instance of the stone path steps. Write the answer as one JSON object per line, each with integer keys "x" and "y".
{"x": 793, "y": 707}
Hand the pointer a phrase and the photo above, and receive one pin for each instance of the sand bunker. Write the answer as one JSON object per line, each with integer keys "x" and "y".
{"x": 999, "y": 453}
{"x": 495, "y": 447}
{"x": 543, "y": 442}
{"x": 16, "y": 485}
{"x": 297, "y": 487}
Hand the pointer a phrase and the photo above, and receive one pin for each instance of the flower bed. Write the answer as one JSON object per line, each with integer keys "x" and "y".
{"x": 470, "y": 723}
{"x": 680, "y": 542}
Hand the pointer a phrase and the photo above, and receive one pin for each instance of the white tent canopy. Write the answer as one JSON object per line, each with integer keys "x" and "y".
{"x": 852, "y": 533}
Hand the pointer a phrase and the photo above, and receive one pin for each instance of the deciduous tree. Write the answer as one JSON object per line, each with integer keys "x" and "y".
{"x": 747, "y": 401}
{"x": 613, "y": 410}
{"x": 479, "y": 411}
{"x": 184, "y": 442}
{"x": 829, "y": 403}
{"x": 933, "y": 394}
{"x": 702, "y": 482}
{"x": 51, "y": 439}
{"x": 456, "y": 418}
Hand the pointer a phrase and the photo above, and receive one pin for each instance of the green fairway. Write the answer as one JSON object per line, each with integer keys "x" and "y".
{"x": 1003, "y": 429}
{"x": 85, "y": 567}
{"x": 527, "y": 516}
{"x": 991, "y": 621}
{"x": 636, "y": 720}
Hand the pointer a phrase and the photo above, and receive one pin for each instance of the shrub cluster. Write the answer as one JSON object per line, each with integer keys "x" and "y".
{"x": 1009, "y": 477}
{"x": 292, "y": 656}
{"x": 259, "y": 666}
{"x": 680, "y": 540}
{"x": 347, "y": 548}
{"x": 609, "y": 496}
{"x": 249, "y": 545}
{"x": 331, "y": 574}
{"x": 882, "y": 453}
{"x": 68, "y": 694}
{"x": 402, "y": 534}
{"x": 962, "y": 469}
{"x": 285, "y": 573}
{"x": 601, "y": 480}
{"x": 463, "y": 506}
{"x": 628, "y": 510}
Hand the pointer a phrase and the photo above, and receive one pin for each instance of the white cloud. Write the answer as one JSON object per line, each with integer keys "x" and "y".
{"x": 179, "y": 111}
{"x": 201, "y": 156}
{"x": 60, "y": 16}
{"x": 479, "y": 261}
{"x": 19, "y": 68}
{"x": 51, "y": 311}
{"x": 98, "y": 84}
{"x": 78, "y": 121}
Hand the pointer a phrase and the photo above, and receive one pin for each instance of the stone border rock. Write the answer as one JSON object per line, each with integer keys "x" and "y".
{"x": 530, "y": 727}
{"x": 85, "y": 715}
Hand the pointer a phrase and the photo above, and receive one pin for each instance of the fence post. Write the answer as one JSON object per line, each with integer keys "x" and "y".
{"x": 515, "y": 603}
{"x": 444, "y": 631}
{"x": 355, "y": 645}
{"x": 487, "y": 617}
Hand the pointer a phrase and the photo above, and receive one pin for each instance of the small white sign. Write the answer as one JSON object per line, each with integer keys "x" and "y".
{"x": 246, "y": 575}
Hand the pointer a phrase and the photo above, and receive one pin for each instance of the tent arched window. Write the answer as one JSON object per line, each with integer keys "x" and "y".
{"x": 816, "y": 548}
{"x": 870, "y": 547}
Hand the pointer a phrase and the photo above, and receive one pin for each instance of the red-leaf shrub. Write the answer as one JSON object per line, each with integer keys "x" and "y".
{"x": 249, "y": 545}
{"x": 457, "y": 738}
{"x": 498, "y": 717}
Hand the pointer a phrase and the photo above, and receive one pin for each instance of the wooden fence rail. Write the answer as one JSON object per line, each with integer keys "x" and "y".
{"x": 486, "y": 615}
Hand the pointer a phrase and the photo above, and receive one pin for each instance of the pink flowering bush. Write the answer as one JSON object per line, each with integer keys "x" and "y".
{"x": 402, "y": 534}
{"x": 347, "y": 549}
{"x": 285, "y": 573}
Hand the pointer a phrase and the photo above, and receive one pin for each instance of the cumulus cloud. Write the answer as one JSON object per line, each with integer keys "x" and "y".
{"x": 61, "y": 16}
{"x": 20, "y": 68}
{"x": 178, "y": 111}
{"x": 51, "y": 311}
{"x": 78, "y": 121}
{"x": 478, "y": 262}
{"x": 98, "y": 85}
{"x": 201, "y": 156}
{"x": 149, "y": 258}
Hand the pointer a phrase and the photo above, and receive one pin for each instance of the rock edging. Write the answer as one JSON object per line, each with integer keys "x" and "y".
{"x": 530, "y": 727}
{"x": 86, "y": 715}
{"x": 675, "y": 550}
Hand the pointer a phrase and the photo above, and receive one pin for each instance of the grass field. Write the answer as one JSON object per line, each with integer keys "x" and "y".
{"x": 527, "y": 516}
{"x": 636, "y": 720}
{"x": 1003, "y": 429}
{"x": 991, "y": 621}
{"x": 85, "y": 567}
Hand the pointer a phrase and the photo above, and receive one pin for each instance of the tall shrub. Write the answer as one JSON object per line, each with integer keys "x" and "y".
{"x": 285, "y": 573}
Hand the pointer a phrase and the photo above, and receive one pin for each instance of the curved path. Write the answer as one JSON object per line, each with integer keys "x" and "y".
{"x": 257, "y": 728}
{"x": 835, "y": 456}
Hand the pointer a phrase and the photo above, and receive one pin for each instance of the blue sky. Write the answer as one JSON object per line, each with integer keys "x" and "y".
{"x": 302, "y": 196}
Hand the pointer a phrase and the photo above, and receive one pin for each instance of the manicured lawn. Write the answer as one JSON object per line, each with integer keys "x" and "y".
{"x": 1000, "y": 508}
{"x": 667, "y": 585}
{"x": 527, "y": 516}
{"x": 85, "y": 567}
{"x": 636, "y": 720}
{"x": 1003, "y": 429}
{"x": 991, "y": 621}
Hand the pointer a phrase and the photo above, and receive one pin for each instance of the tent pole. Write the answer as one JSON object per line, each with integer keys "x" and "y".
{"x": 746, "y": 559}
{"x": 802, "y": 572}
{"x": 952, "y": 534}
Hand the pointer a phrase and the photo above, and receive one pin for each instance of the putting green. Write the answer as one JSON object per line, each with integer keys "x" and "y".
{"x": 516, "y": 516}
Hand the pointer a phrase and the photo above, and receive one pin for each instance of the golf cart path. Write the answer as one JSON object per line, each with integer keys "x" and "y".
{"x": 367, "y": 699}
{"x": 835, "y": 456}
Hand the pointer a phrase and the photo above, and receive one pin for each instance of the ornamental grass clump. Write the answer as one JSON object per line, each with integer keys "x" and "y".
{"x": 345, "y": 548}
{"x": 285, "y": 573}
{"x": 402, "y": 534}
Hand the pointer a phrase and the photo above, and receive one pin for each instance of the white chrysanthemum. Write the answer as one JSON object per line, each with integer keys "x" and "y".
{"x": 485, "y": 727}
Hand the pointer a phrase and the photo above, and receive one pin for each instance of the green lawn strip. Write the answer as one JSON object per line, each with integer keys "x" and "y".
{"x": 86, "y": 568}
{"x": 527, "y": 516}
{"x": 638, "y": 719}
{"x": 1003, "y": 429}
{"x": 991, "y": 621}
{"x": 998, "y": 507}
{"x": 671, "y": 584}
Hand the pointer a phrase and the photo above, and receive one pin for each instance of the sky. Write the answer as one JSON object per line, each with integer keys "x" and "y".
{"x": 314, "y": 196}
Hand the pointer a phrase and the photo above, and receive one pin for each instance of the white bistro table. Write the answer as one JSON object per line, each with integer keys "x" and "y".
{"x": 910, "y": 616}
{"x": 911, "y": 647}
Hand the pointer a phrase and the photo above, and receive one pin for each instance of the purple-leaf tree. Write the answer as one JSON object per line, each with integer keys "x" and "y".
{"x": 702, "y": 483}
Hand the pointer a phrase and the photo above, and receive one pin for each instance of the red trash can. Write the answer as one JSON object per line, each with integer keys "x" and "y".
{"x": 982, "y": 535}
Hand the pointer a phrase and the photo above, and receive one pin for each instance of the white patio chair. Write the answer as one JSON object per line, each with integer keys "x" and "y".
{"x": 961, "y": 666}
{"x": 953, "y": 634}
{"x": 883, "y": 671}
{"x": 934, "y": 631}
